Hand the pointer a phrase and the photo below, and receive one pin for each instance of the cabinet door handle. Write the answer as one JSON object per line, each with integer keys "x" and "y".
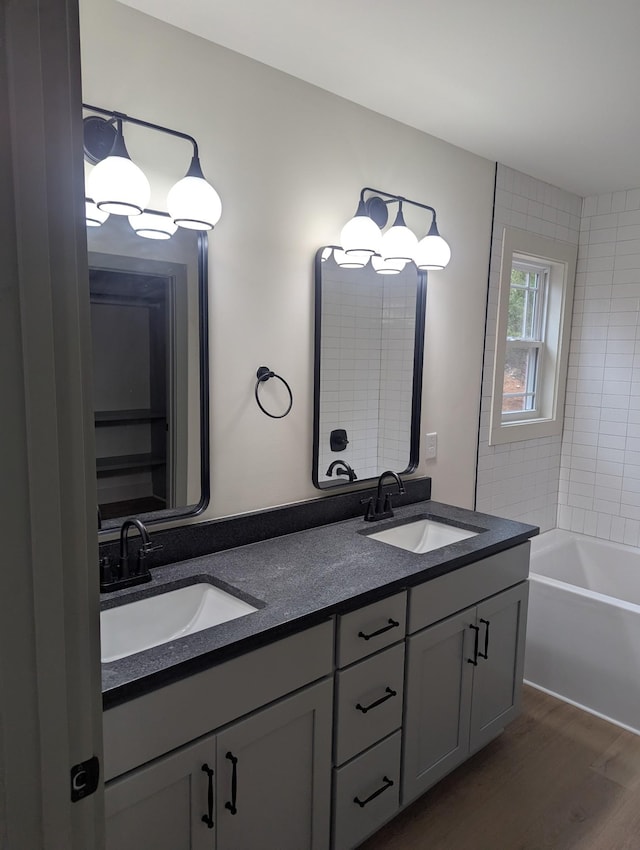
{"x": 388, "y": 694}
{"x": 387, "y": 784}
{"x": 234, "y": 784}
{"x": 474, "y": 660}
{"x": 485, "y": 654}
{"x": 392, "y": 625}
{"x": 208, "y": 818}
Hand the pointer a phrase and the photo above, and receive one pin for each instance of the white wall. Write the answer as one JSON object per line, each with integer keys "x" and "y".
{"x": 289, "y": 160}
{"x": 600, "y": 474}
{"x": 520, "y": 480}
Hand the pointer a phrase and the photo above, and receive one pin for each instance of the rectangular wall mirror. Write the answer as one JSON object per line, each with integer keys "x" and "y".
{"x": 369, "y": 344}
{"x": 150, "y": 372}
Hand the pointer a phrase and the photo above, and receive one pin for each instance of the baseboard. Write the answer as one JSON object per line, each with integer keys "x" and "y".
{"x": 583, "y": 707}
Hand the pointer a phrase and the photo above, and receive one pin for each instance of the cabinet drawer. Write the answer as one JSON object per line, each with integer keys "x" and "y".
{"x": 366, "y": 793}
{"x": 371, "y": 628}
{"x": 369, "y": 702}
{"x": 437, "y": 599}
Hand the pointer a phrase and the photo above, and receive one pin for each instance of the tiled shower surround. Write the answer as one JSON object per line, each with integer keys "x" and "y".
{"x": 521, "y": 480}
{"x": 600, "y": 463}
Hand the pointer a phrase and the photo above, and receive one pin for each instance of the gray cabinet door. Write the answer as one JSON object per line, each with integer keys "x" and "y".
{"x": 274, "y": 775}
{"x": 161, "y": 806}
{"x": 437, "y": 702}
{"x": 497, "y": 680}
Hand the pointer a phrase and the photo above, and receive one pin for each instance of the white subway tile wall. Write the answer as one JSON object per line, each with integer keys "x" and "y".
{"x": 600, "y": 460}
{"x": 396, "y": 380}
{"x": 368, "y": 332}
{"x": 521, "y": 480}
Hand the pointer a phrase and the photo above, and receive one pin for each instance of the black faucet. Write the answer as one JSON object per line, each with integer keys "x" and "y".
{"x": 134, "y": 522}
{"x": 382, "y": 509}
{"x": 116, "y": 578}
{"x": 346, "y": 469}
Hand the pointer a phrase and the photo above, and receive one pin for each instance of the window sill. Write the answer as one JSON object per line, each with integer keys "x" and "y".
{"x": 525, "y": 429}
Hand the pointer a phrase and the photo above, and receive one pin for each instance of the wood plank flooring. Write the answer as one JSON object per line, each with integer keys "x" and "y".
{"x": 556, "y": 779}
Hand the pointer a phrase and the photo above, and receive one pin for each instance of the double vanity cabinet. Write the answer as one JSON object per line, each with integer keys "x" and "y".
{"x": 315, "y": 740}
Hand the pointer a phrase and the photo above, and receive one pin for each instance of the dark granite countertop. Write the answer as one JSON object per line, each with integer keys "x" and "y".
{"x": 302, "y": 579}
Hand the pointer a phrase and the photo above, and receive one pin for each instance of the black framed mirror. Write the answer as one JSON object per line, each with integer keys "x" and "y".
{"x": 369, "y": 346}
{"x": 149, "y": 323}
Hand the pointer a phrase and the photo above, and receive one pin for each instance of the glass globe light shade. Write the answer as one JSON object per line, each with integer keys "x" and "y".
{"x": 390, "y": 266}
{"x": 118, "y": 186}
{"x": 361, "y": 233}
{"x": 192, "y": 202}
{"x": 355, "y": 260}
{"x": 326, "y": 253}
{"x": 152, "y": 225}
{"x": 433, "y": 252}
{"x": 93, "y": 215}
{"x": 398, "y": 243}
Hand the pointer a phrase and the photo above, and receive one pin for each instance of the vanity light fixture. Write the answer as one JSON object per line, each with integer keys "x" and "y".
{"x": 352, "y": 260}
{"x": 192, "y": 202}
{"x": 387, "y": 266}
{"x": 116, "y": 185}
{"x": 153, "y": 225}
{"x": 362, "y": 238}
{"x": 361, "y": 235}
{"x": 398, "y": 243}
{"x": 93, "y": 215}
{"x": 432, "y": 252}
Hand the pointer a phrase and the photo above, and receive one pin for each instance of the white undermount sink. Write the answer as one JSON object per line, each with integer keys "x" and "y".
{"x": 423, "y": 535}
{"x": 159, "y": 619}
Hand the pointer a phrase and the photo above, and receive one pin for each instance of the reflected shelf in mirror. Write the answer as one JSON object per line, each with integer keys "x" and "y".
{"x": 148, "y": 302}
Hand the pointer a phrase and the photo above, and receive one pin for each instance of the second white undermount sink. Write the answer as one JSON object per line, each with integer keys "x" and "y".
{"x": 159, "y": 619}
{"x": 423, "y": 535}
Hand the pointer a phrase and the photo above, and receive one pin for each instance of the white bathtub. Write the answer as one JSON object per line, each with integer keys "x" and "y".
{"x": 583, "y": 632}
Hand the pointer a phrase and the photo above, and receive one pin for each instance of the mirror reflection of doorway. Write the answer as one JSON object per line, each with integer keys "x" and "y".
{"x": 131, "y": 332}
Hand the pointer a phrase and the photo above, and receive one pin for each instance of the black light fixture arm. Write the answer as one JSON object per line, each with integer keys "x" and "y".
{"x": 121, "y": 116}
{"x": 395, "y": 198}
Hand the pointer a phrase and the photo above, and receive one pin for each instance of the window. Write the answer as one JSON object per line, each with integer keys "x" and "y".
{"x": 525, "y": 340}
{"x": 534, "y": 315}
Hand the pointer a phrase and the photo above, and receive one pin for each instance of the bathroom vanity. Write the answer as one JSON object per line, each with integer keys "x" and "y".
{"x": 367, "y": 674}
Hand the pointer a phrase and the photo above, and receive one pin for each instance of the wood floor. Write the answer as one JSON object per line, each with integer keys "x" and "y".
{"x": 556, "y": 779}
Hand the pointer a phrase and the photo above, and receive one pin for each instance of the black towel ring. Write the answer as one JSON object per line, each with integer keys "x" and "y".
{"x": 263, "y": 374}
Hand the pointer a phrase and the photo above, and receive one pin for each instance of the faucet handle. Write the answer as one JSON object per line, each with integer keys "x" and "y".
{"x": 369, "y": 514}
{"x": 106, "y": 573}
{"x": 143, "y": 552}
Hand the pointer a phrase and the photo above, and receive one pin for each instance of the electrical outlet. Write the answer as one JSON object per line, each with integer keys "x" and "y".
{"x": 431, "y": 446}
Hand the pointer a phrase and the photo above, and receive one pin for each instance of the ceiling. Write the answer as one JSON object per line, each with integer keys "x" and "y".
{"x": 549, "y": 87}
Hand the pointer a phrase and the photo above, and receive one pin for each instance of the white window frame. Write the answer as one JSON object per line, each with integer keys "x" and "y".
{"x": 519, "y": 247}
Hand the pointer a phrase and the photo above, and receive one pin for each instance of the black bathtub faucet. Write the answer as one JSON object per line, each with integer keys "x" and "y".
{"x": 344, "y": 470}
